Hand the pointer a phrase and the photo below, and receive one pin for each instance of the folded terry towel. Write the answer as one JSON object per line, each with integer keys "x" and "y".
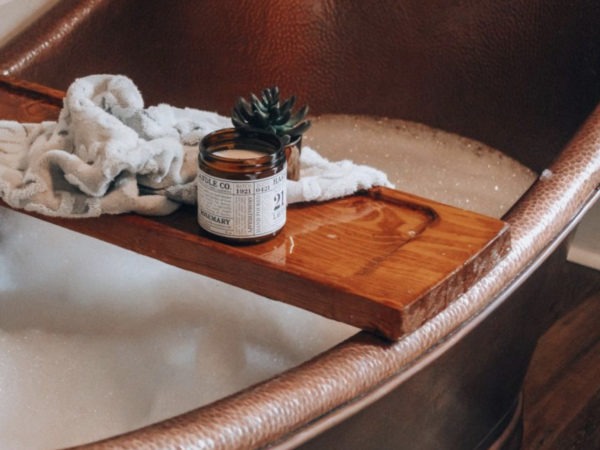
{"x": 109, "y": 154}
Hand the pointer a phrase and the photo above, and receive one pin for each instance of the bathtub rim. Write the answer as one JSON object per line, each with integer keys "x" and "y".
{"x": 423, "y": 346}
{"x": 253, "y": 417}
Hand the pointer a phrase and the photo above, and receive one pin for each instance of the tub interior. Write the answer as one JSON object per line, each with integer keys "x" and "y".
{"x": 97, "y": 340}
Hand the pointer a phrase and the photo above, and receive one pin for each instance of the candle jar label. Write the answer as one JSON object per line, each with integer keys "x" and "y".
{"x": 241, "y": 209}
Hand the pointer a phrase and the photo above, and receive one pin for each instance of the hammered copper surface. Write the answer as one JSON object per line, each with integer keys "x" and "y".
{"x": 521, "y": 76}
{"x": 499, "y": 73}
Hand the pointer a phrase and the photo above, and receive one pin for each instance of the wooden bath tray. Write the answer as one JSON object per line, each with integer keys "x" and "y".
{"x": 381, "y": 260}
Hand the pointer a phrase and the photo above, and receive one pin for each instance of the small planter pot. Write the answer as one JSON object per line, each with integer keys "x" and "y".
{"x": 293, "y": 151}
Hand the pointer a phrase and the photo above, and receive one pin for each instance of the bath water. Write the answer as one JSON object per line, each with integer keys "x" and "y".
{"x": 426, "y": 161}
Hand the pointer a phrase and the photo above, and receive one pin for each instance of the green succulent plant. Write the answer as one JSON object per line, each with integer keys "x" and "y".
{"x": 269, "y": 114}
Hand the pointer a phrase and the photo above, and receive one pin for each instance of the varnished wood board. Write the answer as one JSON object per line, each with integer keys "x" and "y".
{"x": 382, "y": 260}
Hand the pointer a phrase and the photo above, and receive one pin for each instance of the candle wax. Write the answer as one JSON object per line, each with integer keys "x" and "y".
{"x": 240, "y": 154}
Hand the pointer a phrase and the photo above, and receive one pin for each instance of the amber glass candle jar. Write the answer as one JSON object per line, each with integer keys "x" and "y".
{"x": 241, "y": 186}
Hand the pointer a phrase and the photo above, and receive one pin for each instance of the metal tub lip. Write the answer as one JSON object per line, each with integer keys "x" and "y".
{"x": 303, "y": 402}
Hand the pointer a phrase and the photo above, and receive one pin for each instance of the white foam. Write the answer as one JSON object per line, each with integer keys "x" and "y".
{"x": 96, "y": 340}
{"x": 425, "y": 161}
{"x": 15, "y": 16}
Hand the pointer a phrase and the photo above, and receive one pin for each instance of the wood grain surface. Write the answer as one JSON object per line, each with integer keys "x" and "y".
{"x": 382, "y": 260}
{"x": 561, "y": 391}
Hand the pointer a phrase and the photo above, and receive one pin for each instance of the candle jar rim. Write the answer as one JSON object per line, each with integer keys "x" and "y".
{"x": 233, "y": 139}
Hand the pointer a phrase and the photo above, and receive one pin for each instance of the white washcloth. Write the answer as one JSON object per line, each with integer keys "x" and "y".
{"x": 109, "y": 154}
{"x": 321, "y": 179}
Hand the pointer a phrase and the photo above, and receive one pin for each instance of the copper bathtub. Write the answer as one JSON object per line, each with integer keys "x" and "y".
{"x": 521, "y": 76}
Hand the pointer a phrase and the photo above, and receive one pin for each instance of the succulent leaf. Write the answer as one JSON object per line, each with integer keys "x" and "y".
{"x": 301, "y": 114}
{"x": 288, "y": 104}
{"x": 245, "y": 107}
{"x": 269, "y": 114}
{"x": 257, "y": 103}
{"x": 266, "y": 97}
{"x": 283, "y": 118}
{"x": 301, "y": 128}
{"x": 237, "y": 122}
